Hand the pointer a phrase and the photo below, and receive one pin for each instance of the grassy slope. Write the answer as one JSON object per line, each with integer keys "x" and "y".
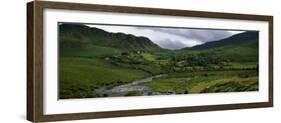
{"x": 206, "y": 81}
{"x": 86, "y": 74}
{"x": 90, "y": 51}
{"x": 82, "y": 70}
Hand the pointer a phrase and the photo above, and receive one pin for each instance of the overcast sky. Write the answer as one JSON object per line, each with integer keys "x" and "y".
{"x": 171, "y": 38}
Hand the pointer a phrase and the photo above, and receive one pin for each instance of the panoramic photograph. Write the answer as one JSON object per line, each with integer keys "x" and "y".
{"x": 106, "y": 60}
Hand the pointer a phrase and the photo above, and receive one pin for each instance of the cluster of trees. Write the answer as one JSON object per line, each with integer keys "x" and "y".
{"x": 194, "y": 62}
{"x": 173, "y": 63}
{"x": 129, "y": 58}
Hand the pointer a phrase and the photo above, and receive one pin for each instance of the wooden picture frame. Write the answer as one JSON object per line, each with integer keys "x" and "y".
{"x": 35, "y": 60}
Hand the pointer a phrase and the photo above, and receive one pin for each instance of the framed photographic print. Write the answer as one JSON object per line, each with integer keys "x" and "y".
{"x": 96, "y": 61}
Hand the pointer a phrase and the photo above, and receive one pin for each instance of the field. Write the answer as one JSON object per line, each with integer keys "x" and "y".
{"x": 81, "y": 75}
{"x": 206, "y": 81}
{"x": 90, "y": 66}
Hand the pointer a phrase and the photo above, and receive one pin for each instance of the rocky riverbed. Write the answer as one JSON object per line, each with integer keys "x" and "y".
{"x": 135, "y": 86}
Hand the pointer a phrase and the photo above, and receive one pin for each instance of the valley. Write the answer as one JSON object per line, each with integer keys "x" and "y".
{"x": 94, "y": 63}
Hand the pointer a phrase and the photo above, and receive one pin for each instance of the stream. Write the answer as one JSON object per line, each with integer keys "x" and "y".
{"x": 122, "y": 90}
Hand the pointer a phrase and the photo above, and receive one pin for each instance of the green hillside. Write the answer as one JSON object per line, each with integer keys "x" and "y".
{"x": 242, "y": 47}
{"x": 80, "y": 36}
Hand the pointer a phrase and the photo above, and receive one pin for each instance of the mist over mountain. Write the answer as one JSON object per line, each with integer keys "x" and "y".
{"x": 80, "y": 36}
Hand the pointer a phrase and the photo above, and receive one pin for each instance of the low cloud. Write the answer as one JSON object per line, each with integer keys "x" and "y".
{"x": 169, "y": 44}
{"x": 172, "y": 38}
{"x": 202, "y": 35}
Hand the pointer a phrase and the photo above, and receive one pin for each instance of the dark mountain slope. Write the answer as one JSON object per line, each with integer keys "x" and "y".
{"x": 79, "y": 36}
{"x": 238, "y": 39}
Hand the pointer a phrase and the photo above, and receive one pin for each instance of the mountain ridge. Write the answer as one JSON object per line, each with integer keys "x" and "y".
{"x": 81, "y": 35}
{"x": 235, "y": 39}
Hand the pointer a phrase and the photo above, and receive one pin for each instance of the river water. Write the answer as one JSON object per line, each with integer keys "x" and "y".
{"x": 122, "y": 90}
